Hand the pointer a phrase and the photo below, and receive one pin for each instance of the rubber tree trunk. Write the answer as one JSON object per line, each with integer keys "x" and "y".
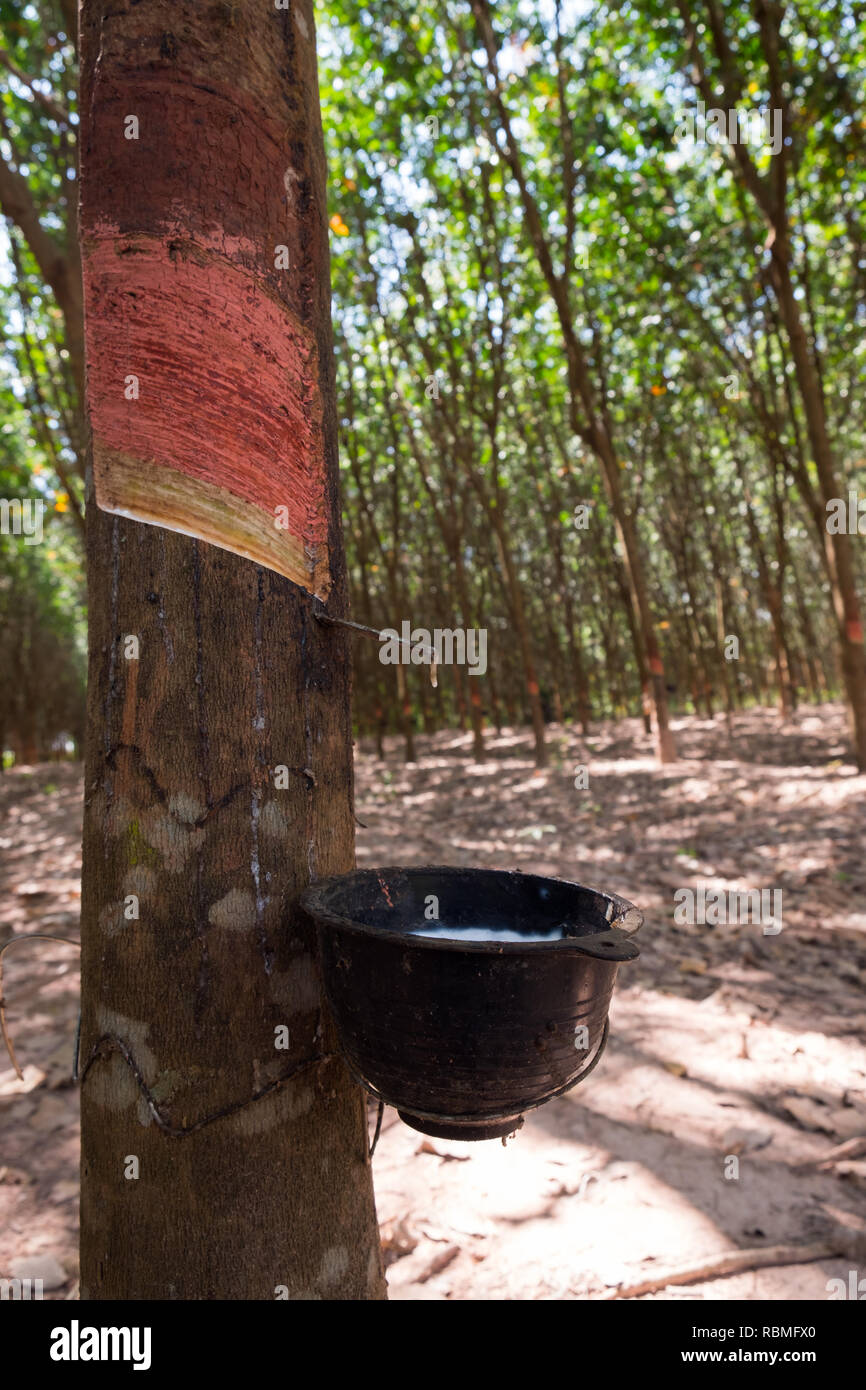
{"x": 224, "y": 1147}
{"x": 461, "y": 585}
{"x": 839, "y": 557}
{"x": 585, "y": 407}
{"x": 524, "y": 637}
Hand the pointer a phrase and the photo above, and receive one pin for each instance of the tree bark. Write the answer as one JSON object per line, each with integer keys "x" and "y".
{"x": 251, "y": 1177}
{"x": 524, "y": 637}
{"x": 846, "y": 602}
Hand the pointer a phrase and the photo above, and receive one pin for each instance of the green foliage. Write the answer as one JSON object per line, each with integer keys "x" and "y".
{"x": 466, "y": 445}
{"x": 42, "y": 647}
{"x": 663, "y": 265}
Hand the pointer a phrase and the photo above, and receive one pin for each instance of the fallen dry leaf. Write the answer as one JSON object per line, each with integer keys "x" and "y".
{"x": 691, "y": 966}
{"x": 427, "y": 1148}
{"x": 15, "y": 1177}
{"x": 438, "y": 1263}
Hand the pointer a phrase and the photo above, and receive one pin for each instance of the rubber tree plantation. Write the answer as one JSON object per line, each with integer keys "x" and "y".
{"x": 432, "y": 670}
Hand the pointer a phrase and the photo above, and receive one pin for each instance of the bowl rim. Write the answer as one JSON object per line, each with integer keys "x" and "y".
{"x": 624, "y": 920}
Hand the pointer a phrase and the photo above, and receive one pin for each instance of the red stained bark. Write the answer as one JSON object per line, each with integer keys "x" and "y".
{"x": 186, "y": 291}
{"x": 217, "y": 362}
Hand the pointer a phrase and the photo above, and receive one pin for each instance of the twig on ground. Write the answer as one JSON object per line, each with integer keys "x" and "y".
{"x": 731, "y": 1262}
{"x": 852, "y": 1148}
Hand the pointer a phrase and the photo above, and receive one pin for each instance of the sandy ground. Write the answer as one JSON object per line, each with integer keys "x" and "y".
{"x": 727, "y": 1044}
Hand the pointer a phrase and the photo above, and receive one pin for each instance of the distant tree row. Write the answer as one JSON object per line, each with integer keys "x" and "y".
{"x": 42, "y": 652}
{"x": 598, "y": 364}
{"x": 42, "y": 607}
{"x": 598, "y": 370}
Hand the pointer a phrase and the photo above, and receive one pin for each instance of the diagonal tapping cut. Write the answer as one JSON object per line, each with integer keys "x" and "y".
{"x": 110, "y": 1043}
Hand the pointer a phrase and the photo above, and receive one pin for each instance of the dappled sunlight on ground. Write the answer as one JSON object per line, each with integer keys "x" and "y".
{"x": 726, "y": 1043}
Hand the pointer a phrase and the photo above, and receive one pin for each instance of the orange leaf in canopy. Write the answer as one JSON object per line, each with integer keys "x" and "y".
{"x": 337, "y": 225}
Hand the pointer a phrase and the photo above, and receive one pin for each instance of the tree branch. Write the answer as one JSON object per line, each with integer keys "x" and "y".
{"x": 49, "y": 104}
{"x": 17, "y": 203}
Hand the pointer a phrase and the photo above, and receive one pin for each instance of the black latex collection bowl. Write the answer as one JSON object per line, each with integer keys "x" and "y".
{"x": 463, "y": 1036}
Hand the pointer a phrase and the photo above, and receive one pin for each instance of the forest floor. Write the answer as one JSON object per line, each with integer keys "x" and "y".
{"x": 730, "y": 1048}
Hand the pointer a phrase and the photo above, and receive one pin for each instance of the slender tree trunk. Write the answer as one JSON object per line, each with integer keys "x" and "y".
{"x": 582, "y": 703}
{"x": 224, "y": 1147}
{"x": 583, "y": 400}
{"x": 375, "y": 680}
{"x": 665, "y": 743}
{"x": 449, "y": 521}
{"x": 476, "y": 709}
{"x": 811, "y": 656}
{"x": 770, "y": 195}
{"x": 404, "y": 706}
{"x": 720, "y": 633}
{"x": 632, "y": 619}
{"x": 460, "y": 694}
{"x": 772, "y": 595}
{"x": 524, "y": 638}
{"x": 846, "y": 602}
